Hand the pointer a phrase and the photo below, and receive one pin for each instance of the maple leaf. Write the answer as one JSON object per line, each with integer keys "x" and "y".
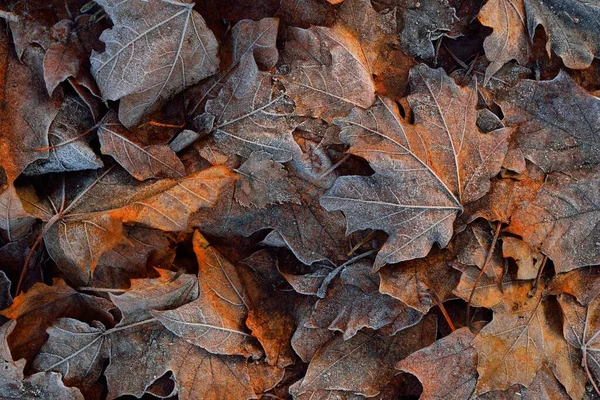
{"x": 421, "y": 283}
{"x": 33, "y": 22}
{"x": 557, "y": 122}
{"x": 13, "y": 383}
{"x": 126, "y": 346}
{"x": 271, "y": 317}
{"x": 250, "y": 116}
{"x": 142, "y": 162}
{"x": 362, "y": 364}
{"x": 353, "y": 302}
{"x": 563, "y": 220}
{"x": 578, "y": 297}
{"x": 447, "y": 368}
{"x": 521, "y": 337}
{"x": 256, "y": 38}
{"x": 327, "y": 84}
{"x": 216, "y": 320}
{"x": 153, "y": 51}
{"x": 36, "y": 309}
{"x": 27, "y": 110}
{"x": 78, "y": 234}
{"x": 306, "y": 228}
{"x": 444, "y": 152}
{"x": 571, "y": 27}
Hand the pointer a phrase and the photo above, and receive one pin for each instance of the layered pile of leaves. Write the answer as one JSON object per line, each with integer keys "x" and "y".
{"x": 301, "y": 199}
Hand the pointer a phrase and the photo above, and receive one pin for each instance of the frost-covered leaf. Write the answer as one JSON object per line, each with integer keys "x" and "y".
{"x": 424, "y": 173}
{"x": 154, "y": 50}
{"x": 142, "y": 162}
{"x": 563, "y": 221}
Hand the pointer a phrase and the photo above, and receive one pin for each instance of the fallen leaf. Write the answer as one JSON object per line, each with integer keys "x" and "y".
{"x": 563, "y": 220}
{"x": 556, "y": 123}
{"x": 13, "y": 383}
{"x": 142, "y": 162}
{"x": 524, "y": 334}
{"x": 447, "y": 368}
{"x": 421, "y": 283}
{"x": 251, "y": 116}
{"x": 92, "y": 224}
{"x": 216, "y": 320}
{"x": 36, "y": 310}
{"x": 362, "y": 364}
{"x": 444, "y": 152}
{"x": 152, "y": 52}
{"x": 353, "y": 302}
{"x": 27, "y": 110}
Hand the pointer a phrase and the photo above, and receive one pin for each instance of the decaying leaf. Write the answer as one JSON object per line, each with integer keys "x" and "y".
{"x": 353, "y": 302}
{"x": 77, "y": 239}
{"x": 13, "y": 383}
{"x": 557, "y": 126}
{"x": 447, "y": 368}
{"x": 250, "y": 116}
{"x": 563, "y": 221}
{"x": 524, "y": 334}
{"x": 197, "y": 200}
{"x": 27, "y": 112}
{"x": 349, "y": 365}
{"x": 444, "y": 152}
{"x": 215, "y": 321}
{"x": 154, "y": 50}
{"x": 126, "y": 346}
{"x": 142, "y": 162}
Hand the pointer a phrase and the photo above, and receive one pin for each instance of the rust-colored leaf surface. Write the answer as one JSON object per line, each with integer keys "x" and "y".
{"x": 299, "y": 199}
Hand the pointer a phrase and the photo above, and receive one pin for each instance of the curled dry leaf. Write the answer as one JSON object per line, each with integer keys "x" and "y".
{"x": 307, "y": 229}
{"x": 422, "y": 22}
{"x": 27, "y": 110}
{"x": 154, "y": 50}
{"x": 73, "y": 119}
{"x": 353, "y": 302}
{"x": 444, "y": 152}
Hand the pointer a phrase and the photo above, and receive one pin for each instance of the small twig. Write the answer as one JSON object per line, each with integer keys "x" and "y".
{"x": 440, "y": 304}
{"x": 370, "y": 236}
{"x": 331, "y": 276}
{"x": 534, "y": 289}
{"x": 483, "y": 268}
{"x": 74, "y": 139}
{"x": 96, "y": 289}
{"x": 455, "y": 58}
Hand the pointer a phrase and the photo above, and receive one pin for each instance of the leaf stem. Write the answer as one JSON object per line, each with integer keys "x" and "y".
{"x": 483, "y": 268}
